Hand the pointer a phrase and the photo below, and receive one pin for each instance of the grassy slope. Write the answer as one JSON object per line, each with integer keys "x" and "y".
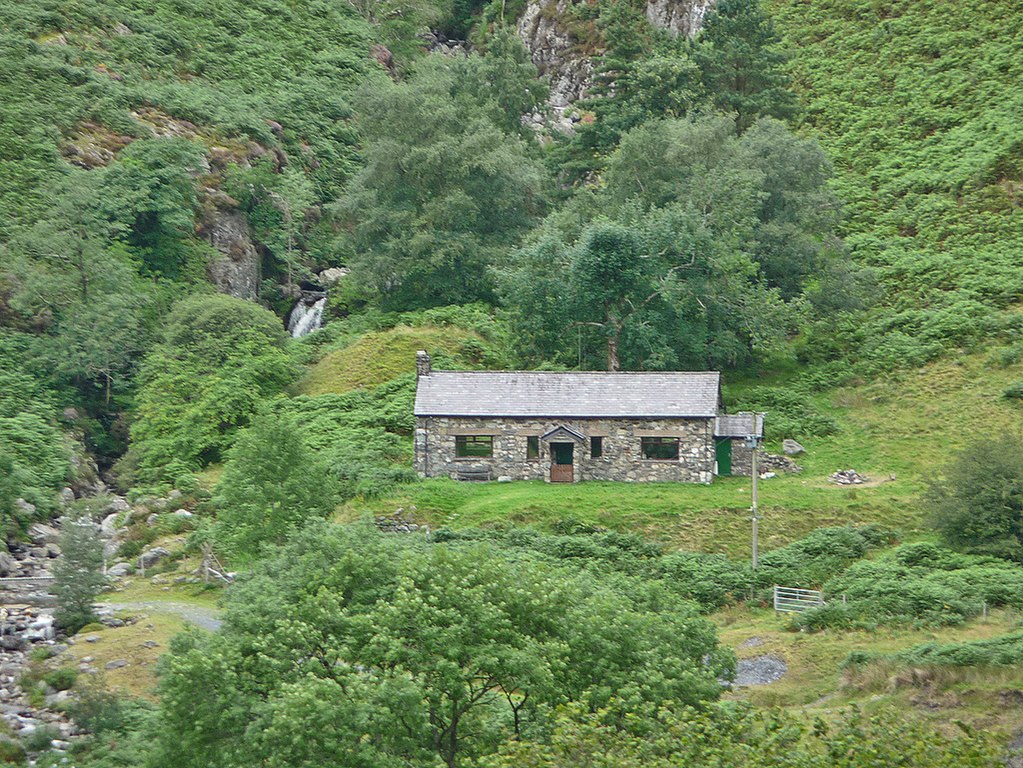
{"x": 904, "y": 426}
{"x": 377, "y": 357}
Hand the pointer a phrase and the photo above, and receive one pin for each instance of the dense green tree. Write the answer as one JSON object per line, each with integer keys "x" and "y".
{"x": 220, "y": 359}
{"x": 445, "y": 188}
{"x": 78, "y": 574}
{"x": 726, "y": 233}
{"x": 272, "y": 485}
{"x": 978, "y": 505}
{"x": 35, "y": 454}
{"x": 423, "y": 655}
{"x": 742, "y": 67}
{"x": 607, "y": 278}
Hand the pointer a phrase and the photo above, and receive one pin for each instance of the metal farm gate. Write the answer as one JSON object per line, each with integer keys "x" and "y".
{"x": 792, "y": 600}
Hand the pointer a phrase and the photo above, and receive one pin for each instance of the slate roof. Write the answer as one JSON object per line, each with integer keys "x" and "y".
{"x": 739, "y": 425}
{"x": 568, "y": 394}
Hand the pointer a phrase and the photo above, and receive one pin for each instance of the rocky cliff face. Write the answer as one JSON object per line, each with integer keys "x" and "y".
{"x": 680, "y": 17}
{"x": 555, "y": 53}
{"x": 235, "y": 269}
{"x": 546, "y": 29}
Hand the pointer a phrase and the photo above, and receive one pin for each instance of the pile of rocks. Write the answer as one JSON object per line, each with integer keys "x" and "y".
{"x": 397, "y": 523}
{"x": 847, "y": 477}
{"x": 24, "y": 628}
{"x": 772, "y": 462}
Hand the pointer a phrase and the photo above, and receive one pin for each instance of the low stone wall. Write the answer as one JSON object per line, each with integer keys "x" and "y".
{"x": 622, "y": 459}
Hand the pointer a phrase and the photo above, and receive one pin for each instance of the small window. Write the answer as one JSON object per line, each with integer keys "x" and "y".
{"x": 474, "y": 446}
{"x": 659, "y": 447}
{"x": 596, "y": 447}
{"x": 532, "y": 448}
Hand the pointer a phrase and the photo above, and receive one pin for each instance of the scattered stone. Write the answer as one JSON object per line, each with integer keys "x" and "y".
{"x": 791, "y": 447}
{"x": 151, "y": 557}
{"x": 118, "y": 570}
{"x": 151, "y": 520}
{"x": 117, "y": 504}
{"x": 768, "y": 475}
{"x": 847, "y": 477}
{"x": 116, "y": 664}
{"x": 8, "y": 565}
{"x": 26, "y": 508}
{"x": 150, "y": 644}
{"x": 92, "y": 639}
{"x": 108, "y": 528}
{"x": 110, "y": 621}
{"x": 40, "y": 533}
{"x": 760, "y": 670}
{"x": 752, "y": 642}
{"x": 182, "y": 513}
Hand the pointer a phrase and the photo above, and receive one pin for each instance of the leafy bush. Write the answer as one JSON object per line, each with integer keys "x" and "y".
{"x": 41, "y": 738}
{"x": 1014, "y": 391}
{"x": 978, "y": 505}
{"x": 61, "y": 679}
{"x": 917, "y": 584}
{"x": 790, "y": 413}
{"x": 220, "y": 360}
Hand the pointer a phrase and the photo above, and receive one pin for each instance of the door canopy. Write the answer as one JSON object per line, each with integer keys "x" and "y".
{"x": 562, "y": 433}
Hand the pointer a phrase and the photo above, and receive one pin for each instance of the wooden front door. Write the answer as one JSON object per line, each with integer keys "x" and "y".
{"x": 561, "y": 463}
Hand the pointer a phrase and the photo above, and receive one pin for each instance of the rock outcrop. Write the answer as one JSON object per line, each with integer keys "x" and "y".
{"x": 546, "y": 28}
{"x": 680, "y": 17}
{"x": 236, "y": 270}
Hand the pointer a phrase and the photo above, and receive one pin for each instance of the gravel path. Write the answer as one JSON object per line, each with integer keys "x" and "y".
{"x": 206, "y": 618}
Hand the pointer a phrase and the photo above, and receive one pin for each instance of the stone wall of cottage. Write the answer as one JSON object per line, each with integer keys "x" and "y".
{"x": 622, "y": 457}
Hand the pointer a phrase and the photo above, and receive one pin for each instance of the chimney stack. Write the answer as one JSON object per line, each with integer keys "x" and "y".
{"x": 422, "y": 363}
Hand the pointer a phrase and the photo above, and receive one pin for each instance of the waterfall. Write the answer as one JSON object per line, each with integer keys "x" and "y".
{"x": 305, "y": 318}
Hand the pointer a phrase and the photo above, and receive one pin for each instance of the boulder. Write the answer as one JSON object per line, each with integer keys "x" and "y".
{"x": 151, "y": 557}
{"x": 40, "y": 533}
{"x": 117, "y": 504}
{"x": 791, "y": 447}
{"x": 182, "y": 513}
{"x": 8, "y": 565}
{"x": 108, "y": 528}
{"x": 151, "y": 520}
{"x": 116, "y": 664}
{"x": 331, "y": 275}
{"x": 25, "y": 507}
{"x": 118, "y": 570}
{"x": 67, "y": 496}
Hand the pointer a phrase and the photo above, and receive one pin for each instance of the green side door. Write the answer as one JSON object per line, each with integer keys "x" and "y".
{"x": 723, "y": 454}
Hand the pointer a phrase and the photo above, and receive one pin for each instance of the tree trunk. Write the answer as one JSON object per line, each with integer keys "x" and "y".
{"x": 613, "y": 337}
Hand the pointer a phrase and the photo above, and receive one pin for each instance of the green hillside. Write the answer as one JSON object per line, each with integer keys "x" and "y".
{"x": 918, "y": 107}
{"x": 819, "y": 199}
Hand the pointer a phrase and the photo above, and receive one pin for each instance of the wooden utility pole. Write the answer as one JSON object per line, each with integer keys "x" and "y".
{"x": 752, "y": 442}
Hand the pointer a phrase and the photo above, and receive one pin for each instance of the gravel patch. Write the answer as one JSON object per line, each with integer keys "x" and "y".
{"x": 760, "y": 670}
{"x": 752, "y": 642}
{"x": 205, "y": 618}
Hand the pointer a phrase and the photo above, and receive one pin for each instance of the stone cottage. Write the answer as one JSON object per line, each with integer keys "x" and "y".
{"x": 572, "y": 426}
